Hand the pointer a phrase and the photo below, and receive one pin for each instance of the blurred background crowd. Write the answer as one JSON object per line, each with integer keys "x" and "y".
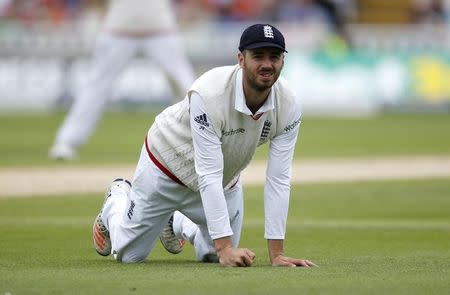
{"x": 58, "y": 12}
{"x": 385, "y": 41}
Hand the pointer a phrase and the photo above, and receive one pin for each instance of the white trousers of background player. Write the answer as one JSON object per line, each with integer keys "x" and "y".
{"x": 135, "y": 221}
{"x": 111, "y": 54}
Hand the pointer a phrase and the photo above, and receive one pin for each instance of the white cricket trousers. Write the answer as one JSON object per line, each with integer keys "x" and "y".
{"x": 135, "y": 221}
{"x": 111, "y": 55}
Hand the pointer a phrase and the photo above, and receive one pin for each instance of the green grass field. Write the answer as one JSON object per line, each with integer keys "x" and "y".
{"x": 390, "y": 237}
{"x": 25, "y": 139}
{"x": 368, "y": 238}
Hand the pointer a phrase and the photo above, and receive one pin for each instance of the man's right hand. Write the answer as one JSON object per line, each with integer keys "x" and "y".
{"x": 230, "y": 256}
{"x": 236, "y": 257}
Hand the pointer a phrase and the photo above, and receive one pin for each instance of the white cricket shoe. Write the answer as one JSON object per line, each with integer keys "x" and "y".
{"x": 63, "y": 152}
{"x": 100, "y": 234}
{"x": 169, "y": 240}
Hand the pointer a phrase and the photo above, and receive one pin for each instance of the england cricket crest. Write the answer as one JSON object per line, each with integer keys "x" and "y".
{"x": 265, "y": 132}
{"x": 268, "y": 32}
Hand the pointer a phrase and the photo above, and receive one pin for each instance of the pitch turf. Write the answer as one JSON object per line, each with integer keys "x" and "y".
{"x": 368, "y": 238}
{"x": 25, "y": 139}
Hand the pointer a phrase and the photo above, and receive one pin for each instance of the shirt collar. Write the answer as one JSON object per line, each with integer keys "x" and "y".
{"x": 241, "y": 106}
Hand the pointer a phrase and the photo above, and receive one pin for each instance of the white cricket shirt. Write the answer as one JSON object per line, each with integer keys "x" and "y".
{"x": 209, "y": 167}
{"x": 208, "y": 138}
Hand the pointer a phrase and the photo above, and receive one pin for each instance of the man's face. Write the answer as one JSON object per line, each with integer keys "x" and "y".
{"x": 261, "y": 67}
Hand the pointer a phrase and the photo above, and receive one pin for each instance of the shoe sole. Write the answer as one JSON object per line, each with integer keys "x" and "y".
{"x": 101, "y": 239}
{"x": 102, "y": 242}
{"x": 182, "y": 242}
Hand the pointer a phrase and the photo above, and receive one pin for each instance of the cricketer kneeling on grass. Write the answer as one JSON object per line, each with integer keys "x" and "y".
{"x": 186, "y": 185}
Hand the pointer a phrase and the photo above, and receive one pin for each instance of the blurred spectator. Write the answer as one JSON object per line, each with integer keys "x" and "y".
{"x": 60, "y": 11}
{"x": 30, "y": 12}
{"x": 55, "y": 10}
{"x": 338, "y": 13}
{"x": 299, "y": 11}
{"x": 192, "y": 11}
{"x": 333, "y": 13}
{"x": 73, "y": 8}
{"x": 5, "y": 7}
{"x": 427, "y": 12}
{"x": 238, "y": 10}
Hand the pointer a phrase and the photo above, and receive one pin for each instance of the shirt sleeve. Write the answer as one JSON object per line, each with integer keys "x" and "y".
{"x": 278, "y": 177}
{"x": 208, "y": 159}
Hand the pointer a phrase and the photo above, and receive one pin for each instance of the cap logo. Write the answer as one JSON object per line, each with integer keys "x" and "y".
{"x": 268, "y": 32}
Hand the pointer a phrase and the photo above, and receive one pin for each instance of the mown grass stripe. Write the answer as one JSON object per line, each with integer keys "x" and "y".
{"x": 252, "y": 223}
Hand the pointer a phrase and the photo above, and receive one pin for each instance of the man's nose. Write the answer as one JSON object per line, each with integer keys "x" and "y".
{"x": 266, "y": 62}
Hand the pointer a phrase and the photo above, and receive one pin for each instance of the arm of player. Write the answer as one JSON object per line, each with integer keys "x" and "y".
{"x": 209, "y": 167}
{"x": 277, "y": 190}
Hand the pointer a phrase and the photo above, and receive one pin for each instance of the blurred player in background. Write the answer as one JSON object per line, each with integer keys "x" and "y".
{"x": 130, "y": 26}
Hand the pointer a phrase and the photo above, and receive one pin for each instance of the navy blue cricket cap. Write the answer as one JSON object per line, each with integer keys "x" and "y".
{"x": 261, "y": 35}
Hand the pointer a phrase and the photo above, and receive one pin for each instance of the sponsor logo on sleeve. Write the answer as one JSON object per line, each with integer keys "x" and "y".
{"x": 233, "y": 132}
{"x": 292, "y": 126}
{"x": 202, "y": 120}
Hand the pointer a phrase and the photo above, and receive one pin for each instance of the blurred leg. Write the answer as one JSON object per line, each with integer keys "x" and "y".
{"x": 111, "y": 54}
{"x": 167, "y": 51}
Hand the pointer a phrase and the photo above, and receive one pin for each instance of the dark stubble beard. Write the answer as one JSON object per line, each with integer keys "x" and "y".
{"x": 251, "y": 80}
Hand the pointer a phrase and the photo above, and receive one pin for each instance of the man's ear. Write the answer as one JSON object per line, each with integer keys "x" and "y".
{"x": 241, "y": 56}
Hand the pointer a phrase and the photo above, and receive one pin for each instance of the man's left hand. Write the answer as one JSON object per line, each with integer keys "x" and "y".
{"x": 282, "y": 260}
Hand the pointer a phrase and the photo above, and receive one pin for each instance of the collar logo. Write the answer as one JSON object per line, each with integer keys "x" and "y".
{"x": 268, "y": 32}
